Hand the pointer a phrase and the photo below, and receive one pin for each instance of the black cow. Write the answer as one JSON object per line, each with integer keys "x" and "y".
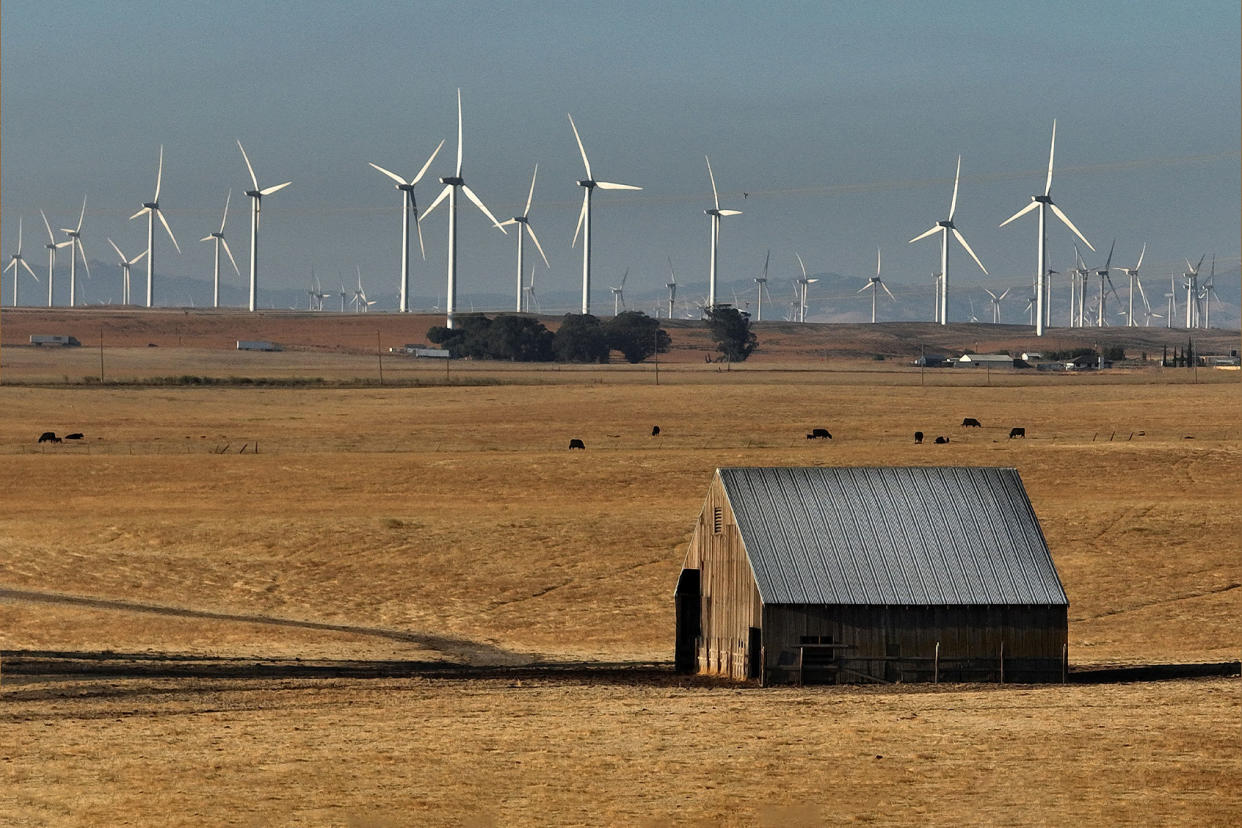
{"x": 941, "y": 440}
{"x": 655, "y": 431}
{"x": 819, "y": 434}
{"x": 918, "y": 437}
{"x": 49, "y": 437}
{"x": 971, "y": 422}
{"x": 575, "y": 443}
{"x": 77, "y": 435}
{"x": 1017, "y": 431}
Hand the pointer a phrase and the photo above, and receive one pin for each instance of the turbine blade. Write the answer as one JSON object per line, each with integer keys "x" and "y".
{"x": 1064, "y": 218}
{"x": 141, "y": 212}
{"x": 956, "y": 178}
{"x": 459, "y": 132}
{"x": 801, "y": 265}
{"x": 867, "y": 286}
{"x": 253, "y": 179}
{"x": 207, "y": 237}
{"x": 1051, "y": 151}
{"x": 164, "y": 222}
{"x": 729, "y": 212}
{"x": 581, "y": 149}
{"x": 886, "y": 290}
{"x": 962, "y": 241}
{"x": 478, "y": 203}
{"x": 159, "y": 175}
{"x": 388, "y": 173}
{"x": 277, "y": 188}
{"x": 531, "y": 195}
{"x": 439, "y": 198}
{"x": 1028, "y": 208}
{"x": 82, "y": 252}
{"x": 715, "y": 195}
{"x": 1142, "y": 253}
{"x": 118, "y": 250}
{"x": 28, "y": 270}
{"x": 1108, "y": 262}
{"x": 225, "y": 244}
{"x": 924, "y": 234}
{"x": 586, "y": 194}
{"x": 608, "y": 185}
{"x": 50, "y": 237}
{"x": 225, "y": 218}
{"x": 82, "y": 216}
{"x": 430, "y": 158}
{"x": 138, "y": 258}
{"x": 538, "y": 246}
{"x": 877, "y": 263}
{"x": 418, "y": 228}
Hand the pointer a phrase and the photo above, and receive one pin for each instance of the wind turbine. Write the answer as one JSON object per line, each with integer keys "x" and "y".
{"x": 618, "y": 293}
{"x": 126, "y": 263}
{"x": 75, "y": 247}
{"x": 1044, "y": 202}
{"x": 1172, "y": 297}
{"x": 1133, "y": 272}
{"x": 1102, "y": 273}
{"x": 361, "y": 303}
{"x": 944, "y": 228}
{"x": 995, "y": 302}
{"x": 52, "y": 246}
{"x": 1208, "y": 291}
{"x": 256, "y": 199}
{"x": 17, "y": 259}
{"x": 152, "y": 209}
{"x": 523, "y": 223}
{"x": 588, "y": 185}
{"x": 1192, "y": 292}
{"x": 876, "y": 282}
{"x": 671, "y": 284}
{"x": 451, "y": 184}
{"x": 409, "y": 207}
{"x": 529, "y": 290}
{"x": 761, "y": 283}
{"x": 218, "y": 238}
{"x": 343, "y": 294}
{"x": 713, "y": 216}
{"x": 801, "y": 285}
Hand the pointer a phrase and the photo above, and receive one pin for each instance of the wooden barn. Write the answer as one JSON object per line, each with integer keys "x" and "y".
{"x": 847, "y": 575}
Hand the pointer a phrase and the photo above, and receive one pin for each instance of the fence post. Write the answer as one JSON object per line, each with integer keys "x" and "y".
{"x": 1064, "y": 661}
{"x": 1002, "y": 661}
{"x": 936, "y": 665}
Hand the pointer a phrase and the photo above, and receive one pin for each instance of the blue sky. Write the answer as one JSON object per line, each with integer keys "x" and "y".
{"x": 842, "y": 120}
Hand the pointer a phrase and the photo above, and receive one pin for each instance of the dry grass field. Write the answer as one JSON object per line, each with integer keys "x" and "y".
{"x": 414, "y": 606}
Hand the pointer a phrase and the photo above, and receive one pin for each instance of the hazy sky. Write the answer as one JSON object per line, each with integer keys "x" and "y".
{"x": 843, "y": 121}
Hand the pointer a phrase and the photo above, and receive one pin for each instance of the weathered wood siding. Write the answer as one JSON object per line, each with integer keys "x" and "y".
{"x": 877, "y": 643}
{"x": 730, "y": 603}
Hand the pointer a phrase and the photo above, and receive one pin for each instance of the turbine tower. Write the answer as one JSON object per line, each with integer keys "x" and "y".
{"x": 1192, "y": 292}
{"x": 451, "y": 184}
{"x": 218, "y": 238}
{"x": 1043, "y": 203}
{"x": 671, "y": 284}
{"x": 409, "y": 207}
{"x": 523, "y": 223}
{"x": 256, "y": 199}
{"x": 52, "y": 246}
{"x": 618, "y": 294}
{"x": 126, "y": 263}
{"x": 874, "y": 283}
{"x": 152, "y": 209}
{"x": 588, "y": 184}
{"x": 713, "y": 216}
{"x": 17, "y": 259}
{"x": 1102, "y": 273}
{"x": 1133, "y": 272}
{"x": 76, "y": 249}
{"x": 944, "y": 228}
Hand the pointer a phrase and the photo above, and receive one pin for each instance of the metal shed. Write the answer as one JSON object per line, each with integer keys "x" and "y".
{"x": 845, "y": 575}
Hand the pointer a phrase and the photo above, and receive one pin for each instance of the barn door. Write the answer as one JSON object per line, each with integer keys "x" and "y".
{"x": 689, "y": 621}
{"x": 754, "y": 654}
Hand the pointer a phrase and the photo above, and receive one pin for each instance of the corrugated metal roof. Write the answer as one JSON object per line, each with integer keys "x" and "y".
{"x": 883, "y": 536}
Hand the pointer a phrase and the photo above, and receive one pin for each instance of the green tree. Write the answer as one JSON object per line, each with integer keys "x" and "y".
{"x": 580, "y": 338}
{"x": 519, "y": 339}
{"x": 468, "y": 338}
{"x": 636, "y": 335}
{"x": 730, "y": 329}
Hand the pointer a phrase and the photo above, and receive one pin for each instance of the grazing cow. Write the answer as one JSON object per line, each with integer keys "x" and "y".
{"x": 655, "y": 431}
{"x": 575, "y": 443}
{"x": 77, "y": 435}
{"x": 940, "y": 441}
{"x": 971, "y": 422}
{"x": 49, "y": 437}
{"x": 918, "y": 437}
{"x": 1017, "y": 431}
{"x": 819, "y": 434}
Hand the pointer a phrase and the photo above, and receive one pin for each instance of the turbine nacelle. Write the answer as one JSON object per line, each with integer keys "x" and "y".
{"x": 586, "y": 182}
{"x": 151, "y": 205}
{"x": 452, "y": 181}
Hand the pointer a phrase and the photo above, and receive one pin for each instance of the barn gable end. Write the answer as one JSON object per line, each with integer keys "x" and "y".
{"x": 857, "y": 574}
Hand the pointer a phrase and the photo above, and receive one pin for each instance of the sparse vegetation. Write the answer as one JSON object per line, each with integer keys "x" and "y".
{"x": 731, "y": 332}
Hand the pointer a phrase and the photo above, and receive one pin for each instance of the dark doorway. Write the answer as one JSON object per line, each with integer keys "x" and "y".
{"x": 689, "y": 621}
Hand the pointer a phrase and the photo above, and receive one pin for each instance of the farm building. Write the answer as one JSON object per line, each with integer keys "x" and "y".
{"x": 846, "y": 575}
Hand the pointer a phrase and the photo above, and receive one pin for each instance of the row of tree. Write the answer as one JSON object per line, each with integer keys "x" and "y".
{"x": 584, "y": 337}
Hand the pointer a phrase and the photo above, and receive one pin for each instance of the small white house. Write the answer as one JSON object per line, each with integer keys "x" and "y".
{"x": 990, "y": 360}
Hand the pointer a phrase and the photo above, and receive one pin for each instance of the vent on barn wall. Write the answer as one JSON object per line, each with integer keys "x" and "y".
{"x": 717, "y": 520}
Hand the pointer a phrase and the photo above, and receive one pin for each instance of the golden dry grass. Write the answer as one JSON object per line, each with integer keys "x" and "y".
{"x": 386, "y": 525}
